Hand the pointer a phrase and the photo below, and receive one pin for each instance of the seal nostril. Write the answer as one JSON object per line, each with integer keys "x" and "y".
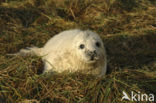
{"x": 94, "y": 51}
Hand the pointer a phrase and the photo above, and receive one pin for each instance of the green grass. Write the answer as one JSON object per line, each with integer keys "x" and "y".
{"x": 127, "y": 28}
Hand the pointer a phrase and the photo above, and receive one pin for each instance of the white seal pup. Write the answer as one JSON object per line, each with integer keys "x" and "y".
{"x": 72, "y": 50}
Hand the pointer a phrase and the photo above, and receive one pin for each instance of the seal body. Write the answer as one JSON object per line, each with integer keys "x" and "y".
{"x": 74, "y": 51}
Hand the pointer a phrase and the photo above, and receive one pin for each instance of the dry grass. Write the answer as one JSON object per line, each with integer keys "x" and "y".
{"x": 128, "y": 29}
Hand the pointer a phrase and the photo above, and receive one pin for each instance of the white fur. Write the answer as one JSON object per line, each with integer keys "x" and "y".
{"x": 63, "y": 53}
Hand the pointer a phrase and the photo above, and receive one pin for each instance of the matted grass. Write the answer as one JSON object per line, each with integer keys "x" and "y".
{"x": 128, "y": 29}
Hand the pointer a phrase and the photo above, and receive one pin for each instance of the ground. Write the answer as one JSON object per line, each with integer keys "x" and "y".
{"x": 127, "y": 28}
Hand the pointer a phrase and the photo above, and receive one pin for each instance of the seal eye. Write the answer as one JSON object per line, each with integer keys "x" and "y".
{"x": 82, "y": 46}
{"x": 97, "y": 44}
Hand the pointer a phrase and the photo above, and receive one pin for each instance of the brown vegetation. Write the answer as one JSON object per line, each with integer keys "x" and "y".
{"x": 127, "y": 27}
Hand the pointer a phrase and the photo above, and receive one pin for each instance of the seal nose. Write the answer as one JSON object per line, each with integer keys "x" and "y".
{"x": 92, "y": 54}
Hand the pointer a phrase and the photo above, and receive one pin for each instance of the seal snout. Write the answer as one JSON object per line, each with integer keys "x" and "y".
{"x": 92, "y": 54}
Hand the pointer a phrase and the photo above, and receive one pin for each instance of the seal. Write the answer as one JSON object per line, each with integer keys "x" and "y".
{"x": 74, "y": 51}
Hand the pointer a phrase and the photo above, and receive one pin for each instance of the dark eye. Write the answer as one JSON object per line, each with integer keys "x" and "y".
{"x": 97, "y": 44}
{"x": 82, "y": 46}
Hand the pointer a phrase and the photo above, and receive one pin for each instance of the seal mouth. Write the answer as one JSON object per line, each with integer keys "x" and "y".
{"x": 92, "y": 59}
